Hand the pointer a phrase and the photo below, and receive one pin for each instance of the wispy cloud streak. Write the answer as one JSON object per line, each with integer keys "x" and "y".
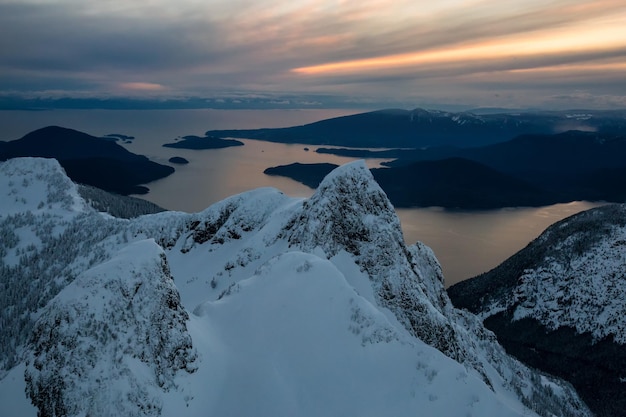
{"x": 370, "y": 47}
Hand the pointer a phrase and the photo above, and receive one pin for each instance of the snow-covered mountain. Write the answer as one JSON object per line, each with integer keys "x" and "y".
{"x": 561, "y": 300}
{"x": 260, "y": 305}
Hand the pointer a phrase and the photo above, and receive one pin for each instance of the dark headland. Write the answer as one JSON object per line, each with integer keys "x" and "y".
{"x": 88, "y": 159}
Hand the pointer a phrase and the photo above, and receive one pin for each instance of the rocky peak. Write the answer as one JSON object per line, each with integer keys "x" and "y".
{"x": 348, "y": 211}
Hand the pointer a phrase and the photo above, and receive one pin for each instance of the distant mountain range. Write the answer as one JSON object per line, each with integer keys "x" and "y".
{"x": 394, "y": 128}
{"x": 558, "y": 304}
{"x": 456, "y": 160}
{"x": 529, "y": 170}
{"x": 88, "y": 159}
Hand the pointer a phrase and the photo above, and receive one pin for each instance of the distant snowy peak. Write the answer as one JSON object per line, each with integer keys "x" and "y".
{"x": 37, "y": 185}
{"x": 559, "y": 304}
{"x": 462, "y": 118}
{"x": 579, "y": 116}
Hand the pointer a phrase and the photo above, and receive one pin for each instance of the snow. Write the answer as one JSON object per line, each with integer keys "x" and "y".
{"x": 35, "y": 195}
{"x": 259, "y": 305}
{"x": 347, "y": 358}
{"x": 591, "y": 284}
{"x": 37, "y": 185}
{"x": 112, "y": 341}
{"x": 579, "y": 116}
{"x": 13, "y": 402}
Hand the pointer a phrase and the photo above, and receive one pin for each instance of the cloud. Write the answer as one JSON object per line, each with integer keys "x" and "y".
{"x": 584, "y": 98}
{"x": 368, "y": 48}
{"x": 142, "y": 86}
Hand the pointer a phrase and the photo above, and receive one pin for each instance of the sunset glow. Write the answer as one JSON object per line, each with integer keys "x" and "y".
{"x": 142, "y": 86}
{"x": 375, "y": 51}
{"x": 607, "y": 38}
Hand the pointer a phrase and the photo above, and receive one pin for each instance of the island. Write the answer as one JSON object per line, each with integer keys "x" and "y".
{"x": 307, "y": 174}
{"x": 178, "y": 160}
{"x": 529, "y": 170}
{"x": 114, "y": 137}
{"x": 206, "y": 142}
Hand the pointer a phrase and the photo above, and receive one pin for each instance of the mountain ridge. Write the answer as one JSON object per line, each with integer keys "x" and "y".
{"x": 529, "y": 170}
{"x": 320, "y": 294}
{"x": 418, "y": 128}
{"x": 559, "y": 300}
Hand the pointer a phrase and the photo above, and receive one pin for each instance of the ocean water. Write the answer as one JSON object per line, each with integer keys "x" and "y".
{"x": 465, "y": 242}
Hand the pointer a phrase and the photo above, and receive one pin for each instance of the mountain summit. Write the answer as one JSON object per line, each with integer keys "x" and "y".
{"x": 259, "y": 305}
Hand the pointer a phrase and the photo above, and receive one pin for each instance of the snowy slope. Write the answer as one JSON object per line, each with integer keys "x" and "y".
{"x": 36, "y": 185}
{"x": 36, "y": 200}
{"x": 259, "y": 305}
{"x": 296, "y": 339}
{"x": 573, "y": 275}
{"x": 560, "y": 301}
{"x": 592, "y": 285}
{"x": 112, "y": 341}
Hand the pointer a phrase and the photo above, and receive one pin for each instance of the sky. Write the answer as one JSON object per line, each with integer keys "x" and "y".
{"x": 446, "y": 53}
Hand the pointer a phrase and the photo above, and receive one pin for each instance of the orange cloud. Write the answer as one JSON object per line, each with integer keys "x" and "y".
{"x": 593, "y": 31}
{"x": 599, "y": 35}
{"x": 142, "y": 86}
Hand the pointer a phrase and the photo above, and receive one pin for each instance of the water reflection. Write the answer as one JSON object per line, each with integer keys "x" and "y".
{"x": 466, "y": 243}
{"x": 469, "y": 243}
{"x": 215, "y": 174}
